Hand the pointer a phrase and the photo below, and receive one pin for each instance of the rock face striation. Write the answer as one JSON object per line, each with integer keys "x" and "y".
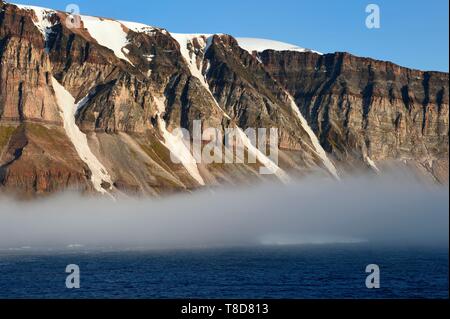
{"x": 363, "y": 109}
{"x": 92, "y": 104}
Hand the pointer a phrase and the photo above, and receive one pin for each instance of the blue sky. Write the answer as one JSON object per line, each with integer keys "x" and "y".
{"x": 413, "y": 33}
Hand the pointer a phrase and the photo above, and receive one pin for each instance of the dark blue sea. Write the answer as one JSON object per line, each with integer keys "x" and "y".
{"x": 316, "y": 271}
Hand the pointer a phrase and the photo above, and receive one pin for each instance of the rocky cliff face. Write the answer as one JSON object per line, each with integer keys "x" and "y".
{"x": 36, "y": 155}
{"x": 82, "y": 110}
{"x": 369, "y": 110}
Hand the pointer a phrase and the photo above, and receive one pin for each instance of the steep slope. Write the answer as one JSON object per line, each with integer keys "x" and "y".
{"x": 130, "y": 95}
{"x": 368, "y": 110}
{"x": 36, "y": 156}
{"x": 241, "y": 84}
{"x": 96, "y": 107}
{"x": 100, "y": 177}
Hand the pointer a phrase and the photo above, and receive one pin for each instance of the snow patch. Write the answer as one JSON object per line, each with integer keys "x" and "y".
{"x": 175, "y": 144}
{"x": 149, "y": 57}
{"x": 160, "y": 106}
{"x": 205, "y": 40}
{"x": 42, "y": 19}
{"x": 259, "y": 45}
{"x": 186, "y": 41}
{"x": 138, "y": 27}
{"x": 108, "y": 33}
{"x": 262, "y": 158}
{"x": 141, "y": 28}
{"x": 372, "y": 164}
{"x": 315, "y": 141}
{"x": 68, "y": 108}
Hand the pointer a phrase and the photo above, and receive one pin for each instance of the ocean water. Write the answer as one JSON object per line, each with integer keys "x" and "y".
{"x": 314, "y": 271}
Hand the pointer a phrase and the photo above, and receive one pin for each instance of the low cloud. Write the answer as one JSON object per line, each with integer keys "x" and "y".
{"x": 382, "y": 209}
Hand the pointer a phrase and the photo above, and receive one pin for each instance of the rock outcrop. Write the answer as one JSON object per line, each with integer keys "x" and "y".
{"x": 128, "y": 97}
{"x": 368, "y": 110}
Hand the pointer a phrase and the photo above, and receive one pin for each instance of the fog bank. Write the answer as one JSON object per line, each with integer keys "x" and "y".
{"x": 386, "y": 209}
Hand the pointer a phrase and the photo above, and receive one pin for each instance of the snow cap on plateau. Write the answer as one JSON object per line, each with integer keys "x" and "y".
{"x": 260, "y": 45}
{"x": 42, "y": 20}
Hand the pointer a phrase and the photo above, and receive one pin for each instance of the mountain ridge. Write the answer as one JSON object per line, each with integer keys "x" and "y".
{"x": 132, "y": 91}
{"x": 141, "y": 27}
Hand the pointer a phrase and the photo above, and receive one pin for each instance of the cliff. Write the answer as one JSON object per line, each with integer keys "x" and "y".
{"x": 93, "y": 107}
